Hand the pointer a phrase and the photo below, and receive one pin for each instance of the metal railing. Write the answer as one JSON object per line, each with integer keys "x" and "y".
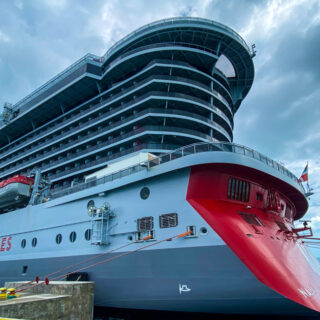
{"x": 117, "y": 155}
{"x": 183, "y": 152}
{"x": 87, "y": 58}
{"x": 129, "y": 91}
{"x": 40, "y": 158}
{"x": 104, "y": 116}
{"x": 99, "y": 131}
{"x": 169, "y": 21}
{"x": 100, "y": 60}
{"x": 159, "y": 46}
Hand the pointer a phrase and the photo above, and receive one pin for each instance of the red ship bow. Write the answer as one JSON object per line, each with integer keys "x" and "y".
{"x": 262, "y": 239}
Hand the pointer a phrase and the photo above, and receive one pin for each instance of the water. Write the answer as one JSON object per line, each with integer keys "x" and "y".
{"x": 118, "y": 314}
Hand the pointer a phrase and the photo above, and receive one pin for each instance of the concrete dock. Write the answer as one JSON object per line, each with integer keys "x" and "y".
{"x": 57, "y": 300}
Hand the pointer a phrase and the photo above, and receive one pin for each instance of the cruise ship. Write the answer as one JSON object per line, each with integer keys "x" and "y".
{"x": 123, "y": 167}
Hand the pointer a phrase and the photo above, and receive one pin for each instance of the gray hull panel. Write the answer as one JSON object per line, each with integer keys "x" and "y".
{"x": 161, "y": 279}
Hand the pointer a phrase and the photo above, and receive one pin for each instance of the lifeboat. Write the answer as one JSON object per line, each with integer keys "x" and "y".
{"x": 15, "y": 191}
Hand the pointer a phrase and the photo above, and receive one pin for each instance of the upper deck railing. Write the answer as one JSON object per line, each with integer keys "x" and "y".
{"x": 182, "y": 152}
{"x": 169, "y": 21}
{"x": 87, "y": 58}
{"x": 101, "y": 60}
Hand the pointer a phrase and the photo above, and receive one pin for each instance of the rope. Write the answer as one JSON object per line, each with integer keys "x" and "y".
{"x": 75, "y": 264}
{"x": 107, "y": 260}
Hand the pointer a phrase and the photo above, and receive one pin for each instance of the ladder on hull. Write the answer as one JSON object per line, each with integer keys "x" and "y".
{"x": 101, "y": 218}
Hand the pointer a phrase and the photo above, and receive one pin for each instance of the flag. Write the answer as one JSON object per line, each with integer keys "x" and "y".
{"x": 304, "y": 175}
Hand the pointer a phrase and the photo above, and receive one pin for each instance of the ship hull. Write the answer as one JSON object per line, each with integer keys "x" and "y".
{"x": 263, "y": 238}
{"x": 199, "y": 273}
{"x": 151, "y": 280}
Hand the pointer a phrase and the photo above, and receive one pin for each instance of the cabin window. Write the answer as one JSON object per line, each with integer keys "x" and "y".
{"x": 238, "y": 190}
{"x": 259, "y": 196}
{"x": 169, "y": 220}
{"x": 59, "y": 238}
{"x": 145, "y": 224}
{"x": 73, "y": 236}
{"x": 87, "y": 235}
{"x": 23, "y": 243}
{"x": 34, "y": 242}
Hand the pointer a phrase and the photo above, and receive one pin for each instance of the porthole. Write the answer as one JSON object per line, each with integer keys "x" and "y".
{"x": 144, "y": 193}
{"x": 59, "y": 238}
{"x": 130, "y": 238}
{"x": 34, "y": 242}
{"x": 87, "y": 234}
{"x": 203, "y": 230}
{"x": 73, "y": 236}
{"x": 23, "y": 243}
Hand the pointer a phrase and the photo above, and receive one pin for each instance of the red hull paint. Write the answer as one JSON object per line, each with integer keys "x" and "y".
{"x": 277, "y": 259}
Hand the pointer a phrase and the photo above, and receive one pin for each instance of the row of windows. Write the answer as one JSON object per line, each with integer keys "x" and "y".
{"x": 63, "y": 132}
{"x": 72, "y": 238}
{"x": 169, "y": 220}
{"x": 67, "y": 155}
{"x": 58, "y": 159}
{"x": 75, "y": 113}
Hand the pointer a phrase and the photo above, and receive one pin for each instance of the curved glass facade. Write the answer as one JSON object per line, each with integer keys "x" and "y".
{"x": 162, "y": 87}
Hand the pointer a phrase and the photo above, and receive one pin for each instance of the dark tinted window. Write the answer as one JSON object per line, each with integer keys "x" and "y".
{"x": 34, "y": 242}
{"x": 87, "y": 234}
{"x": 59, "y": 238}
{"x": 259, "y": 196}
{"x": 23, "y": 243}
{"x": 73, "y": 236}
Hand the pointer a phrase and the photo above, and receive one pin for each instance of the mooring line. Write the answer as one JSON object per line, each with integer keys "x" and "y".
{"x": 106, "y": 260}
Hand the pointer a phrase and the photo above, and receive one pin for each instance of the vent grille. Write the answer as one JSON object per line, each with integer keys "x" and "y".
{"x": 145, "y": 224}
{"x": 169, "y": 220}
{"x": 238, "y": 190}
{"x": 251, "y": 218}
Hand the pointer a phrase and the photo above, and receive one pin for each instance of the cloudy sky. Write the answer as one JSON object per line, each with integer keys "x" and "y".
{"x": 280, "y": 116}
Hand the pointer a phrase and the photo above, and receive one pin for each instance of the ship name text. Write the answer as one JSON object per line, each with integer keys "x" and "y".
{"x": 5, "y": 244}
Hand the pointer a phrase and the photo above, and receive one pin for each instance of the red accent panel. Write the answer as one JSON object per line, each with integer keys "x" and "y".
{"x": 9, "y": 243}
{"x": 3, "y": 242}
{"x": 274, "y": 256}
{"x": 17, "y": 179}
